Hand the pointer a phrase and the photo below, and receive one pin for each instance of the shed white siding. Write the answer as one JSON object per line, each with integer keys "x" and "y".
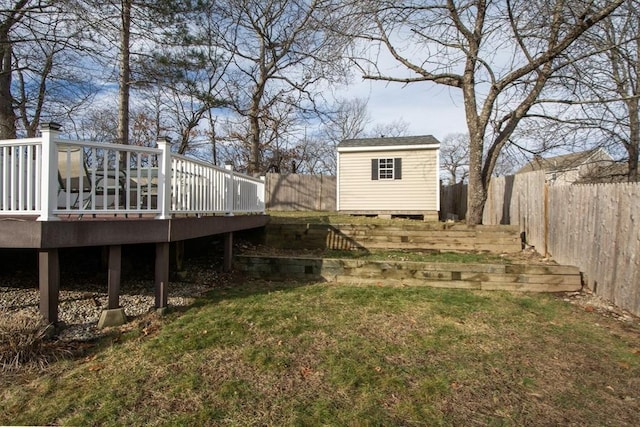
{"x": 418, "y": 190}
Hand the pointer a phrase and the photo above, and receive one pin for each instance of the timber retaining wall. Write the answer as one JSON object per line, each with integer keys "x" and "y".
{"x": 444, "y": 237}
{"x": 512, "y": 277}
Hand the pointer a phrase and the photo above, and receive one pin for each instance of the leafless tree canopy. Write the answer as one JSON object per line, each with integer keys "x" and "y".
{"x": 254, "y": 81}
{"x": 454, "y": 158}
{"x": 599, "y": 94}
{"x": 499, "y": 54}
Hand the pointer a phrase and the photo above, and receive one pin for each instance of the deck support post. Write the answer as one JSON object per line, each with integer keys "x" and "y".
{"x": 49, "y": 283}
{"x": 114, "y": 315}
{"x": 179, "y": 255}
{"x": 114, "y": 274}
{"x": 162, "y": 274}
{"x": 228, "y": 251}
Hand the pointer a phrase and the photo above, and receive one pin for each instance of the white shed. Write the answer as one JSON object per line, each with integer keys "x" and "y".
{"x": 389, "y": 176}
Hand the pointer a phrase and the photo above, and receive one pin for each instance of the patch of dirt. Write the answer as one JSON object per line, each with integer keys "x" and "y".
{"x": 528, "y": 256}
{"x": 592, "y": 303}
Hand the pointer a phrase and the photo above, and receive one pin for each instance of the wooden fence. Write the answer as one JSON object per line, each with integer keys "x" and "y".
{"x": 453, "y": 201}
{"x": 519, "y": 200}
{"x": 300, "y": 192}
{"x": 594, "y": 227}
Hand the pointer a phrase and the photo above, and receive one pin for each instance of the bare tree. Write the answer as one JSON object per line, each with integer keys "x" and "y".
{"x": 110, "y": 23}
{"x": 391, "y": 129}
{"x": 45, "y": 70}
{"x": 16, "y": 17}
{"x": 601, "y": 93}
{"x": 316, "y": 156}
{"x": 280, "y": 55}
{"x": 126, "y": 33}
{"x": 124, "y": 74}
{"x": 185, "y": 74}
{"x": 454, "y": 157}
{"x": 182, "y": 98}
{"x": 499, "y": 54}
{"x": 52, "y": 76}
{"x": 349, "y": 119}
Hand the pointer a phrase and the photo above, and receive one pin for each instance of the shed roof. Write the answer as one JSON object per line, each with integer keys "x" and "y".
{"x": 390, "y": 141}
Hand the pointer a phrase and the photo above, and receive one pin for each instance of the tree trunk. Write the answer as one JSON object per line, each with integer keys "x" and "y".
{"x": 477, "y": 190}
{"x": 7, "y": 115}
{"x": 124, "y": 79}
{"x": 634, "y": 140}
{"x": 254, "y": 127}
{"x": 633, "y": 164}
{"x": 254, "y": 140}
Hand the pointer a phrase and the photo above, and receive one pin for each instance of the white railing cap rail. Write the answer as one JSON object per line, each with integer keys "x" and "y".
{"x": 209, "y": 165}
{"x": 107, "y": 145}
{"x": 18, "y": 142}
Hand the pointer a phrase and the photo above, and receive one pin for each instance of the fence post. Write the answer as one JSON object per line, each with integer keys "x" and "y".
{"x": 230, "y": 189}
{"x": 546, "y": 218}
{"x": 49, "y": 186}
{"x": 164, "y": 179}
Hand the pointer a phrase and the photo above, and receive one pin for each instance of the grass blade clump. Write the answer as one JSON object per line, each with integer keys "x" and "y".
{"x": 24, "y": 342}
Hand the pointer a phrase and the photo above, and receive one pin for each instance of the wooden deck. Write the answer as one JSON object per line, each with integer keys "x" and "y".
{"x": 57, "y": 193}
{"x": 48, "y": 237}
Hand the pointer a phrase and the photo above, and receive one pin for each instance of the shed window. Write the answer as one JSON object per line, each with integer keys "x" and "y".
{"x": 387, "y": 168}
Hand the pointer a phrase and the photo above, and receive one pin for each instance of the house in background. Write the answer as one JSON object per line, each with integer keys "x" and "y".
{"x": 589, "y": 166}
{"x": 389, "y": 177}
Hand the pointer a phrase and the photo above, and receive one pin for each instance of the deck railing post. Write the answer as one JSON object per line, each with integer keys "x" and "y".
{"x": 164, "y": 178}
{"x": 262, "y": 194}
{"x": 230, "y": 190}
{"x": 49, "y": 187}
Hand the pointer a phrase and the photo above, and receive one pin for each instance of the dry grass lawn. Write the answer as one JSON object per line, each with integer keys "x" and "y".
{"x": 291, "y": 354}
{"x": 286, "y": 354}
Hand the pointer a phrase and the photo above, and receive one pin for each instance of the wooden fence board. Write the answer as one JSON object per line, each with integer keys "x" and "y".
{"x": 296, "y": 192}
{"x": 596, "y": 228}
{"x": 453, "y": 201}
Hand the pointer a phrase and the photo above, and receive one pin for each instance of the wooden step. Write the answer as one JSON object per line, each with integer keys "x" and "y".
{"x": 439, "y": 237}
{"x": 512, "y": 277}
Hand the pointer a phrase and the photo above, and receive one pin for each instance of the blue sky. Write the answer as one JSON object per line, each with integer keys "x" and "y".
{"x": 429, "y": 109}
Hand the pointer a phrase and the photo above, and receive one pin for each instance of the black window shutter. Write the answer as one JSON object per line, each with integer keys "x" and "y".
{"x": 374, "y": 169}
{"x": 397, "y": 168}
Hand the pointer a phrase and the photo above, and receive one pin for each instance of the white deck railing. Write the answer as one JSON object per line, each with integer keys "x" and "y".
{"x": 50, "y": 177}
